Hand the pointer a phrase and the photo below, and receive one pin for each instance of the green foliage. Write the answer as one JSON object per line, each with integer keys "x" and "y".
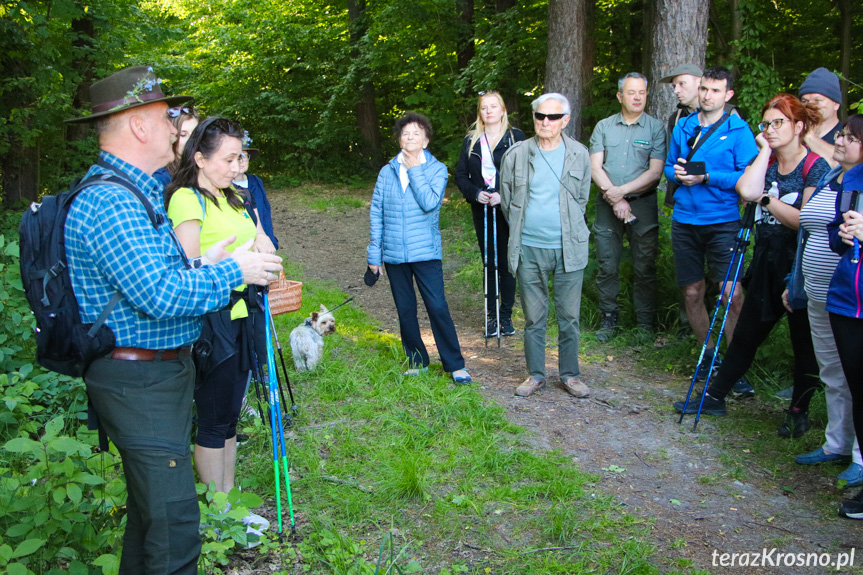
{"x": 222, "y": 529}
{"x": 759, "y": 80}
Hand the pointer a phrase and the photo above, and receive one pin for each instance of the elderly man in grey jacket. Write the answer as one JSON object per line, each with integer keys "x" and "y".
{"x": 544, "y": 188}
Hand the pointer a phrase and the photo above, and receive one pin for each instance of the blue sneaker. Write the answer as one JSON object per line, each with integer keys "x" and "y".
{"x": 461, "y": 376}
{"x": 853, "y": 475}
{"x": 820, "y": 456}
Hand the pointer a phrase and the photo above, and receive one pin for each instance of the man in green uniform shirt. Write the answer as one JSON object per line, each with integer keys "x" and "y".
{"x": 627, "y": 154}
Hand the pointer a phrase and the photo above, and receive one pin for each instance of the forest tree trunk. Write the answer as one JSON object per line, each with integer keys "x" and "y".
{"x": 567, "y": 43}
{"x": 845, "y": 18}
{"x": 679, "y": 37}
{"x": 508, "y": 86}
{"x": 367, "y": 115}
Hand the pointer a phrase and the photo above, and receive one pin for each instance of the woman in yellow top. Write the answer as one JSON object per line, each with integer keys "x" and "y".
{"x": 205, "y": 209}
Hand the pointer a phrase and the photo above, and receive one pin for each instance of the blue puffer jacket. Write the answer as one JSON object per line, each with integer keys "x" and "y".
{"x": 404, "y": 224}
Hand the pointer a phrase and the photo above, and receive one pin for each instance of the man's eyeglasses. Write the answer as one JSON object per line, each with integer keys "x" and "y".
{"x": 244, "y": 157}
{"x": 849, "y": 139}
{"x": 775, "y": 124}
{"x": 174, "y": 112}
{"x": 551, "y": 117}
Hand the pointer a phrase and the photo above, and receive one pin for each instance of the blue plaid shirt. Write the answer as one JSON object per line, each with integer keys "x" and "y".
{"x": 112, "y": 246}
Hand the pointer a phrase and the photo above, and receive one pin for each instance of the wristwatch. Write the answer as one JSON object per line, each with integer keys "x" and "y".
{"x": 765, "y": 199}
{"x": 706, "y": 179}
{"x": 196, "y": 263}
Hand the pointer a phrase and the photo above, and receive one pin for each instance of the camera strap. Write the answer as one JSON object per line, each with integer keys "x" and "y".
{"x": 703, "y": 138}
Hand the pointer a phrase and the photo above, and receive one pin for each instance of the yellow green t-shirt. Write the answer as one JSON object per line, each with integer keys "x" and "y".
{"x": 218, "y": 223}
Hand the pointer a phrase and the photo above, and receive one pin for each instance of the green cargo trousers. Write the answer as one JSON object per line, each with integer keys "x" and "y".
{"x": 643, "y": 238}
{"x": 146, "y": 409}
{"x": 534, "y": 268}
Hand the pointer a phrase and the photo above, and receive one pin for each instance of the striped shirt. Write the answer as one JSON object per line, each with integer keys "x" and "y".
{"x": 112, "y": 246}
{"x": 819, "y": 261}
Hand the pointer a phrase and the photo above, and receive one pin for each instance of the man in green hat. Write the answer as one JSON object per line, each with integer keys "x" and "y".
{"x": 142, "y": 390}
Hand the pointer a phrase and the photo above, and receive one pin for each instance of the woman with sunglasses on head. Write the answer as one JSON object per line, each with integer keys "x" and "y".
{"x": 404, "y": 227}
{"x": 254, "y": 187}
{"x": 780, "y": 179}
{"x": 845, "y": 296}
{"x": 185, "y": 119}
{"x": 477, "y": 176}
{"x": 205, "y": 209}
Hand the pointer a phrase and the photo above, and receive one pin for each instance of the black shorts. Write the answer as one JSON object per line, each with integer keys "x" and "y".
{"x": 693, "y": 244}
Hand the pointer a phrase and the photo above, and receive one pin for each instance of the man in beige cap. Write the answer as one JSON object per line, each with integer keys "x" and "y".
{"x": 124, "y": 259}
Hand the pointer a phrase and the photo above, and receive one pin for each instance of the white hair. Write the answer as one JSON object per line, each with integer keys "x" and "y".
{"x": 567, "y": 109}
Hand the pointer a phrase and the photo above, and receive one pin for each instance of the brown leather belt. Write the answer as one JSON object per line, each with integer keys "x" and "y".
{"x": 138, "y": 354}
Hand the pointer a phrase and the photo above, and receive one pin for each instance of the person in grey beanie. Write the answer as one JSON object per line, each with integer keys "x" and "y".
{"x": 821, "y": 89}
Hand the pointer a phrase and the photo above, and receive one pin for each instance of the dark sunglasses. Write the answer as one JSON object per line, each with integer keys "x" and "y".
{"x": 174, "y": 112}
{"x": 539, "y": 116}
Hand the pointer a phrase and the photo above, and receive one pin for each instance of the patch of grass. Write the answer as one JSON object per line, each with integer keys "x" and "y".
{"x": 377, "y": 455}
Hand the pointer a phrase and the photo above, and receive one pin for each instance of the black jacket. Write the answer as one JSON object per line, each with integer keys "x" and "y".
{"x": 468, "y": 172}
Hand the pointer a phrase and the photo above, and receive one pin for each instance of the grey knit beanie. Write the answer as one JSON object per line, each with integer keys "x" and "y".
{"x": 822, "y": 81}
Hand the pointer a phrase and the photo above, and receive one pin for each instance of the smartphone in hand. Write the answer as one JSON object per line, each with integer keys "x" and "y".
{"x": 695, "y": 168}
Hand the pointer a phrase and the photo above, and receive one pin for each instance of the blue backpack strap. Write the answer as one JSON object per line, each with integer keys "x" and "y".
{"x": 203, "y": 203}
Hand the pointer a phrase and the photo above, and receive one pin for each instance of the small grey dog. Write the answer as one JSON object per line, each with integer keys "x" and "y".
{"x": 307, "y": 339}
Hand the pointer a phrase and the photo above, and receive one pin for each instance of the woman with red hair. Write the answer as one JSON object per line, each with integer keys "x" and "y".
{"x": 785, "y": 167}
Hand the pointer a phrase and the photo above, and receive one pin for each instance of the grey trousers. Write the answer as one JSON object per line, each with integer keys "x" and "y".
{"x": 534, "y": 268}
{"x": 643, "y": 238}
{"x": 146, "y": 410}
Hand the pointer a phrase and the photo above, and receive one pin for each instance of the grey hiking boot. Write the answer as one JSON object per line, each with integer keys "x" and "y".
{"x": 608, "y": 329}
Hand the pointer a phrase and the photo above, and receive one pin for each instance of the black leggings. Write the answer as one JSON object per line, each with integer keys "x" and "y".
{"x": 848, "y": 333}
{"x": 219, "y": 399}
{"x": 749, "y": 334}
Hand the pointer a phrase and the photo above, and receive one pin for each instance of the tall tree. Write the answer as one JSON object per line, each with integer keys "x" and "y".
{"x": 507, "y": 87}
{"x": 567, "y": 43}
{"x": 845, "y": 19}
{"x": 679, "y": 36}
{"x": 367, "y": 115}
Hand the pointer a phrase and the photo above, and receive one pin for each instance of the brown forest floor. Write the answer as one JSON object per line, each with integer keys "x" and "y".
{"x": 684, "y": 481}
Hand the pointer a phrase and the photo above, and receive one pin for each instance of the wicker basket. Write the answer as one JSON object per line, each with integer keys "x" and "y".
{"x": 285, "y": 295}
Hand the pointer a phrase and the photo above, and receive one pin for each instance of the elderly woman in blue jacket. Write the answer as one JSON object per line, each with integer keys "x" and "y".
{"x": 405, "y": 236}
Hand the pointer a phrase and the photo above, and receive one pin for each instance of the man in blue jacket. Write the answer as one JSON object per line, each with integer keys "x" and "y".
{"x": 706, "y": 217}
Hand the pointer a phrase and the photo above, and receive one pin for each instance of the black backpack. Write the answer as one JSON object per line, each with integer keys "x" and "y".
{"x": 63, "y": 343}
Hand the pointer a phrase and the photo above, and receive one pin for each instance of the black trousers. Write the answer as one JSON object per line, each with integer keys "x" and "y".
{"x": 750, "y": 333}
{"x": 507, "y": 280}
{"x": 848, "y": 332}
{"x": 429, "y": 280}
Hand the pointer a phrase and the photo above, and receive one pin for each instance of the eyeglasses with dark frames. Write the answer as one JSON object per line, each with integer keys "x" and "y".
{"x": 775, "y": 124}
{"x": 551, "y": 117}
{"x": 849, "y": 139}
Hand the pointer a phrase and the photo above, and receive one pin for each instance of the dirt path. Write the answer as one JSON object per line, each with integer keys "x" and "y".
{"x": 625, "y": 432}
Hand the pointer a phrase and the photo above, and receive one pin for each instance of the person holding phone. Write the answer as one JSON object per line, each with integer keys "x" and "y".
{"x": 706, "y": 217}
{"x": 783, "y": 161}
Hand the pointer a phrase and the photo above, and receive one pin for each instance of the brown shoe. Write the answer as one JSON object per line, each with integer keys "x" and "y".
{"x": 529, "y": 386}
{"x": 575, "y": 387}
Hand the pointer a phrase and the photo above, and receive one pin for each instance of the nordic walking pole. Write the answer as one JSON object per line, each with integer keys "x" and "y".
{"x": 273, "y": 427}
{"x": 496, "y": 272}
{"x": 485, "y": 269}
{"x": 272, "y": 324}
{"x": 736, "y": 262}
{"x": 257, "y": 379}
{"x": 271, "y": 361}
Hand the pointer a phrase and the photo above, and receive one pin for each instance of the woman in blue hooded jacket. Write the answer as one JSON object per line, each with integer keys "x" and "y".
{"x": 405, "y": 237}
{"x": 846, "y": 288}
